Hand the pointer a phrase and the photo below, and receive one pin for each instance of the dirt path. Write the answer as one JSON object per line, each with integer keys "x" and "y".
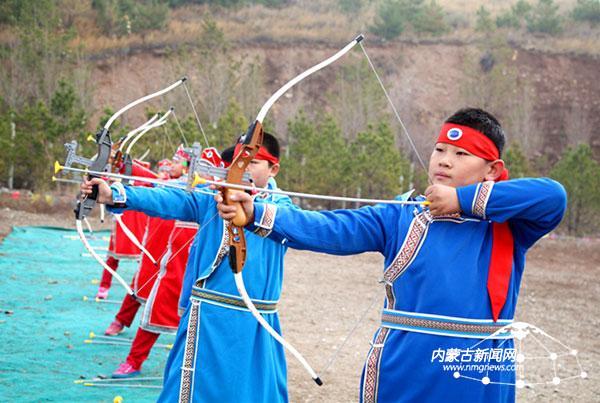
{"x": 324, "y": 296}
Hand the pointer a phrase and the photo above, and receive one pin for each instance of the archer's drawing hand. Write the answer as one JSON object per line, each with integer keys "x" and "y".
{"x": 229, "y": 212}
{"x": 443, "y": 200}
{"x": 104, "y": 191}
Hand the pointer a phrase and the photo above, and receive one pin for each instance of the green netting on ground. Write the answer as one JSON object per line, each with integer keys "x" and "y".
{"x": 44, "y": 275}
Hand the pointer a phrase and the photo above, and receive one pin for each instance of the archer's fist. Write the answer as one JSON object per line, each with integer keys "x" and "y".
{"x": 443, "y": 199}
{"x": 238, "y": 200}
{"x": 104, "y": 191}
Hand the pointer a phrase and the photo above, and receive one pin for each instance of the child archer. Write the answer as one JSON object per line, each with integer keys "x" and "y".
{"x": 220, "y": 351}
{"x": 452, "y": 269}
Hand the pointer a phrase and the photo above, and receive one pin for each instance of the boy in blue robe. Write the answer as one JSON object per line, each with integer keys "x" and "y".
{"x": 220, "y": 352}
{"x": 452, "y": 268}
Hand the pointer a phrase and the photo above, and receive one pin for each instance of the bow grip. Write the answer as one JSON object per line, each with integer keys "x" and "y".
{"x": 240, "y": 219}
{"x": 85, "y": 206}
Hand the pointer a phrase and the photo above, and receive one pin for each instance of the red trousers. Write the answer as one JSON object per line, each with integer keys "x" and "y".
{"x": 143, "y": 340}
{"x": 106, "y": 276}
{"x": 129, "y": 308}
{"x": 141, "y": 346}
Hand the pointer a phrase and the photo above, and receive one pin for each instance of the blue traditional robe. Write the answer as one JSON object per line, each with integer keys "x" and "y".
{"x": 220, "y": 352}
{"x": 434, "y": 342}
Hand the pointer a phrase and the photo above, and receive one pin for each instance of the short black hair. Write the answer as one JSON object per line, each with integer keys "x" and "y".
{"x": 271, "y": 143}
{"x": 227, "y": 154}
{"x": 482, "y": 121}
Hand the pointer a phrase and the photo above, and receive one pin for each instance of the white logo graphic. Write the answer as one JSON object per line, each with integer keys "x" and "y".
{"x": 454, "y": 134}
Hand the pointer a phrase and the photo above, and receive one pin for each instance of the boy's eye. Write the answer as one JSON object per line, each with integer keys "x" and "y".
{"x": 461, "y": 153}
{"x": 439, "y": 149}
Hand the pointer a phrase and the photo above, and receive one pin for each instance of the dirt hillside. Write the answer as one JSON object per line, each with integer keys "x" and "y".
{"x": 548, "y": 99}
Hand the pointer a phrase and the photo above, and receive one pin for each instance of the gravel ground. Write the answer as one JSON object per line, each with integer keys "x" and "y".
{"x": 324, "y": 297}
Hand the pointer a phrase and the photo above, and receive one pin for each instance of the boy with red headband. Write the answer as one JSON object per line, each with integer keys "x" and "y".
{"x": 159, "y": 287}
{"x": 220, "y": 352}
{"x": 452, "y": 269}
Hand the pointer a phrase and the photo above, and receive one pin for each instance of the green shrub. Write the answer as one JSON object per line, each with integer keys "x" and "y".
{"x": 124, "y": 17}
{"x": 484, "y": 22}
{"x": 544, "y": 18}
{"x": 587, "y": 11}
{"x": 579, "y": 173}
{"x": 430, "y": 19}
{"x": 391, "y": 19}
{"x": 394, "y": 16}
{"x": 350, "y": 7}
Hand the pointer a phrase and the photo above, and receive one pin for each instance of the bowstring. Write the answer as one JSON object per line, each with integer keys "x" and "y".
{"x": 187, "y": 92}
{"x": 396, "y": 114}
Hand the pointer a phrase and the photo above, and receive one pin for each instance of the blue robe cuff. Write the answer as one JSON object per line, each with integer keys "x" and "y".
{"x": 119, "y": 196}
{"x": 264, "y": 219}
{"x": 473, "y": 199}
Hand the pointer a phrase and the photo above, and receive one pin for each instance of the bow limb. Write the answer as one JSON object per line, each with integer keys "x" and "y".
{"x": 128, "y": 167}
{"x": 99, "y": 259}
{"x": 144, "y": 155}
{"x": 89, "y": 227}
{"x": 141, "y": 100}
{"x": 123, "y": 141}
{"x": 117, "y": 147}
{"x": 239, "y": 282}
{"x": 158, "y": 123}
{"x": 263, "y": 111}
{"x": 252, "y": 140}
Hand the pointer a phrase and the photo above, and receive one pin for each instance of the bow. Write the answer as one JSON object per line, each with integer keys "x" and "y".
{"x": 250, "y": 143}
{"x": 99, "y": 165}
{"x": 126, "y": 160}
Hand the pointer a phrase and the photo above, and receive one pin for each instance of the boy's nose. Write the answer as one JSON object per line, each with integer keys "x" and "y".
{"x": 444, "y": 162}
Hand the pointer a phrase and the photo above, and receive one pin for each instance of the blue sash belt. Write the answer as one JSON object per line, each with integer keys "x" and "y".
{"x": 231, "y": 301}
{"x": 446, "y": 325}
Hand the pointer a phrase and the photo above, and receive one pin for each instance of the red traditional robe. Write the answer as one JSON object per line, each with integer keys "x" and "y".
{"x": 155, "y": 241}
{"x": 120, "y": 246}
{"x": 161, "y": 309}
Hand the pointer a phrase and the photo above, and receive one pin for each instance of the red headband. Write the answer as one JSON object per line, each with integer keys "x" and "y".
{"x": 473, "y": 141}
{"x": 469, "y": 139}
{"x": 181, "y": 154}
{"x": 262, "y": 154}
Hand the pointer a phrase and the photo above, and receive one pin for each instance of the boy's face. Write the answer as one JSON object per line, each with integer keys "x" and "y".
{"x": 176, "y": 169}
{"x": 261, "y": 172}
{"x": 454, "y": 166}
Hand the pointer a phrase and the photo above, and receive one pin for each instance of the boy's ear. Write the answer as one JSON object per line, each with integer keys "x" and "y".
{"x": 495, "y": 169}
{"x": 274, "y": 170}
